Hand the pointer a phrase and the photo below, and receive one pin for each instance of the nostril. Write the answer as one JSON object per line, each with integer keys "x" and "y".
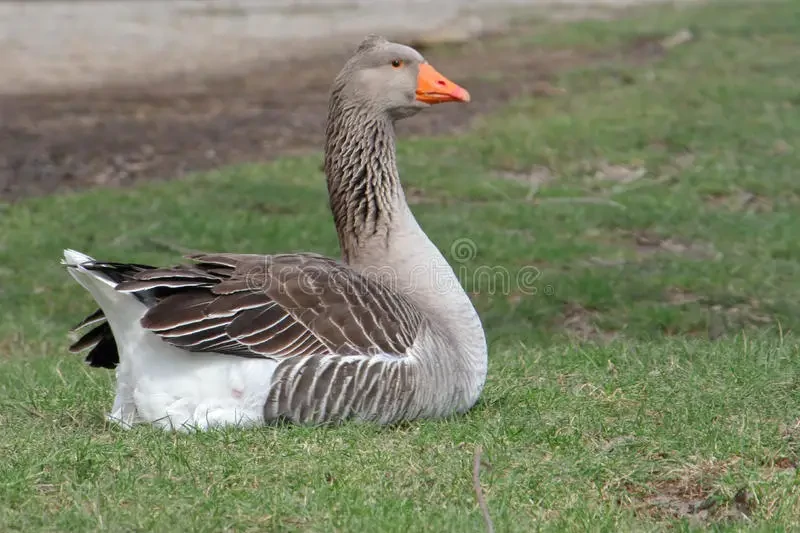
{"x": 441, "y": 82}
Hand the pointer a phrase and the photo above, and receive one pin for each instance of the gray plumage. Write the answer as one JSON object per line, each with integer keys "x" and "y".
{"x": 367, "y": 337}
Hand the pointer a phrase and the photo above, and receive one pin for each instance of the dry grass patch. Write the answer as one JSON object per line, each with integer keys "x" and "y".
{"x": 580, "y": 323}
{"x": 691, "y": 492}
{"x": 740, "y": 201}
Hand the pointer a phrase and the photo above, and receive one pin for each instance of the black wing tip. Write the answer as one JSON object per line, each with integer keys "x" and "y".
{"x": 103, "y": 355}
{"x": 94, "y": 362}
{"x": 102, "y": 346}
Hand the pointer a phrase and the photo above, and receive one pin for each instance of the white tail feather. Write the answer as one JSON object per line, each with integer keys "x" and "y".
{"x": 75, "y": 258}
{"x": 164, "y": 385}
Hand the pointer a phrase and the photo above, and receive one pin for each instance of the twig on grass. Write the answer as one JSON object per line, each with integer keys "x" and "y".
{"x": 476, "y": 483}
{"x": 580, "y": 200}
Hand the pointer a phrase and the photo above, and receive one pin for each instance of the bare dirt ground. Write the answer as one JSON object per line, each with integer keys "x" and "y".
{"x": 117, "y": 136}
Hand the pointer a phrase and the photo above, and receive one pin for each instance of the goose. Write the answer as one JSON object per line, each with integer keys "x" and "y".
{"x": 383, "y": 335}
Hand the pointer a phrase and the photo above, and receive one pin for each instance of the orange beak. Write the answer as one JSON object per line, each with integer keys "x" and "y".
{"x": 433, "y": 88}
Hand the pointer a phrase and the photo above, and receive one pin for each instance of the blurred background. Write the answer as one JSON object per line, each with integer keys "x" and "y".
{"x": 78, "y": 42}
{"x": 107, "y": 92}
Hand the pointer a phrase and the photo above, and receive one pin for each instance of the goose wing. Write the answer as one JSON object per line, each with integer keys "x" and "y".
{"x": 272, "y": 306}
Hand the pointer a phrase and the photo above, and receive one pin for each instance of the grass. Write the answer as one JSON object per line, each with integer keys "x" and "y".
{"x": 645, "y": 377}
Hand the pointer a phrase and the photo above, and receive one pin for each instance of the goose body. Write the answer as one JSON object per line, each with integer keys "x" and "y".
{"x": 382, "y": 335}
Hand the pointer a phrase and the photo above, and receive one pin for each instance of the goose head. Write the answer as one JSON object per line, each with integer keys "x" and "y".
{"x": 394, "y": 79}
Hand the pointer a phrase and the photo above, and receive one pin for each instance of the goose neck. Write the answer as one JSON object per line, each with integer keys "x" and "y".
{"x": 361, "y": 169}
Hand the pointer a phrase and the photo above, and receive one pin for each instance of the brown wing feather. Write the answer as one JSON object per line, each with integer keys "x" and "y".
{"x": 274, "y": 306}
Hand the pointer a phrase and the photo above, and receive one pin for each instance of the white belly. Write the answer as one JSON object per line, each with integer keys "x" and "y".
{"x": 174, "y": 389}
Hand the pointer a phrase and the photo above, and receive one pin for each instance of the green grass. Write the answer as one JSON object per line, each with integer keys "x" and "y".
{"x": 651, "y": 364}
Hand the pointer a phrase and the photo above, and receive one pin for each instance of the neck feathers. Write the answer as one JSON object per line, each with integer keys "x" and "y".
{"x": 361, "y": 171}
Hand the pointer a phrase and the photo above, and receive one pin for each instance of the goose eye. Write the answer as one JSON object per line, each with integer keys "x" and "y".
{"x": 396, "y": 63}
